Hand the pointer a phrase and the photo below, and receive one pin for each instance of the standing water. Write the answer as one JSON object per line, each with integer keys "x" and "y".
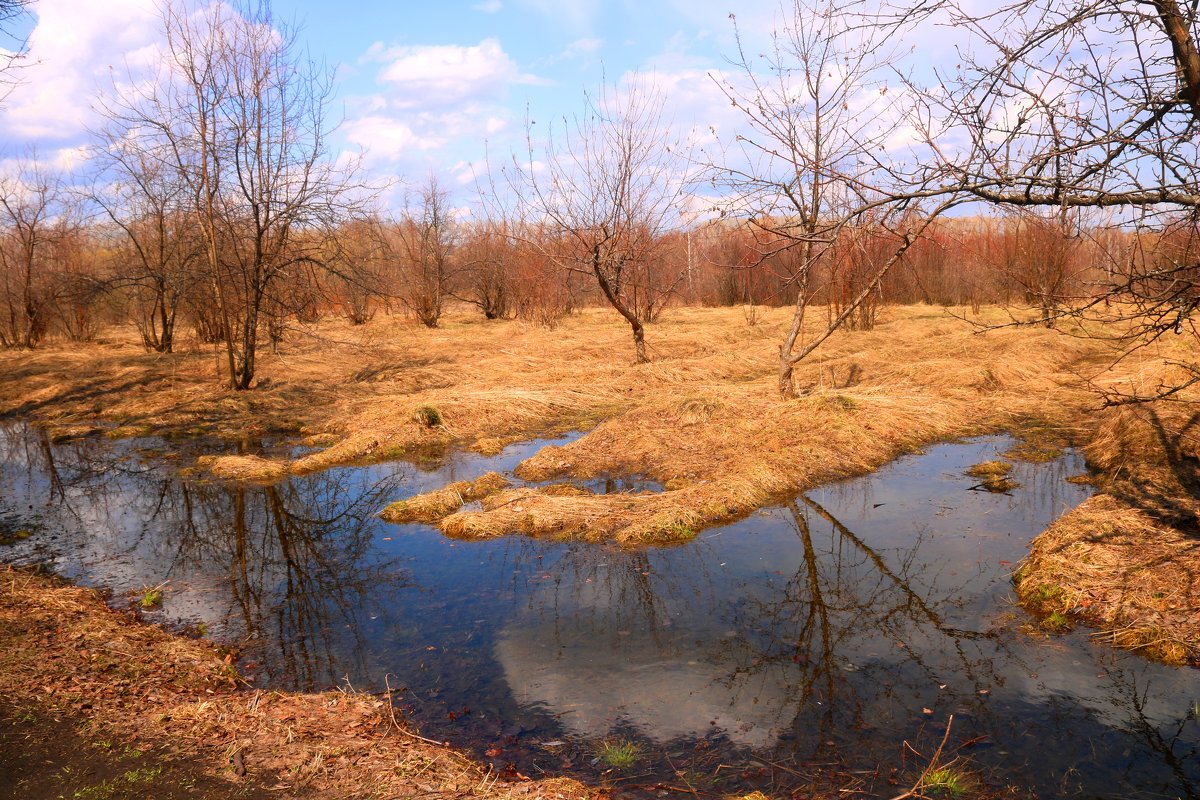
{"x": 817, "y": 636}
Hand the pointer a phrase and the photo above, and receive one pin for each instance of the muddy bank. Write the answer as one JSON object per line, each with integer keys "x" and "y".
{"x": 120, "y": 709}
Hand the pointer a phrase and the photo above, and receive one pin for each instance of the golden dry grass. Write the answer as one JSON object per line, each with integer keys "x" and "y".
{"x": 1116, "y": 567}
{"x": 990, "y": 469}
{"x": 433, "y": 506}
{"x": 243, "y": 468}
{"x": 704, "y": 418}
{"x": 67, "y": 655}
{"x": 1127, "y": 560}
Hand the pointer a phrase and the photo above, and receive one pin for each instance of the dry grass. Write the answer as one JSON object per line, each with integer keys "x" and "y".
{"x": 243, "y": 468}
{"x": 1127, "y": 560}
{"x": 713, "y": 432}
{"x": 703, "y": 418}
{"x": 1116, "y": 567}
{"x": 990, "y": 469}
{"x": 67, "y": 655}
{"x": 433, "y": 506}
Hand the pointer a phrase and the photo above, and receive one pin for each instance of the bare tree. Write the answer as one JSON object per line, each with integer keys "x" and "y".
{"x": 32, "y": 202}
{"x": 816, "y": 166}
{"x": 78, "y": 288}
{"x": 610, "y": 188}
{"x": 239, "y": 114}
{"x": 427, "y": 238}
{"x": 1085, "y": 105}
{"x": 487, "y": 269}
{"x": 358, "y": 269}
{"x": 147, "y": 203}
{"x": 10, "y": 56}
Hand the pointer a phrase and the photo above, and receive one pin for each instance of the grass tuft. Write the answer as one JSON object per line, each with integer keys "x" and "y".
{"x": 248, "y": 469}
{"x": 428, "y": 416}
{"x": 151, "y": 596}
{"x": 990, "y": 469}
{"x": 619, "y": 754}
{"x": 433, "y": 506}
{"x": 946, "y": 782}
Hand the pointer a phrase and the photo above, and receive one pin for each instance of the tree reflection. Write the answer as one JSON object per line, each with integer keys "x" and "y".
{"x": 295, "y": 559}
{"x": 822, "y": 621}
{"x": 299, "y": 565}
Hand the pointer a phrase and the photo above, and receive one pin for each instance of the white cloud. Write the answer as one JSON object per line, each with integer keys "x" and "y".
{"x": 433, "y": 100}
{"x": 73, "y": 50}
{"x": 430, "y": 76}
{"x": 387, "y": 137}
{"x": 489, "y": 6}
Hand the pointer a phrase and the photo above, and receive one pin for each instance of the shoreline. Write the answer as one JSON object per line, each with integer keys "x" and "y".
{"x": 155, "y": 703}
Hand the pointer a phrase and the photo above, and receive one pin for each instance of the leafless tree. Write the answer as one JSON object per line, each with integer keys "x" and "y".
{"x": 78, "y": 289}
{"x": 156, "y": 251}
{"x": 487, "y": 269}
{"x": 32, "y": 202}
{"x": 238, "y": 112}
{"x": 424, "y": 248}
{"x": 611, "y": 186}
{"x": 1090, "y": 104}
{"x": 817, "y": 162}
{"x": 1043, "y": 258}
{"x": 12, "y": 47}
{"x": 358, "y": 269}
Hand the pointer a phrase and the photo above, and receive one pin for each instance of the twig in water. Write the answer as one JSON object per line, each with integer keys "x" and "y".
{"x": 915, "y": 791}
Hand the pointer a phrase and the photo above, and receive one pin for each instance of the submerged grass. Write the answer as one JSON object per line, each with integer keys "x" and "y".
{"x": 619, "y": 754}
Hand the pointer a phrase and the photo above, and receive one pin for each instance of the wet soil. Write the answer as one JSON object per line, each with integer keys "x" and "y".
{"x": 50, "y": 757}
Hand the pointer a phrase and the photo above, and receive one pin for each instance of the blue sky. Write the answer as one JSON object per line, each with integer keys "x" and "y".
{"x": 421, "y": 86}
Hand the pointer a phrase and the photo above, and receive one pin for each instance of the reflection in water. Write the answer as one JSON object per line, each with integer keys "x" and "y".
{"x": 292, "y": 564}
{"x": 828, "y": 630}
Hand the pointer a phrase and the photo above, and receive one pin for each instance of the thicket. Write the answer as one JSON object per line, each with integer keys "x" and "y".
{"x": 65, "y": 275}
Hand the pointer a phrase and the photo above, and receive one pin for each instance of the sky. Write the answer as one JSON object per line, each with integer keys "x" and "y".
{"x": 421, "y": 87}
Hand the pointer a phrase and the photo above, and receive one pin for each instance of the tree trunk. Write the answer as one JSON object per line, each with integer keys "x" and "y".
{"x": 639, "y": 341}
{"x": 787, "y": 386}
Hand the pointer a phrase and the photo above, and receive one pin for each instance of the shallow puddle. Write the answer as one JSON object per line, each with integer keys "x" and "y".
{"x": 815, "y": 637}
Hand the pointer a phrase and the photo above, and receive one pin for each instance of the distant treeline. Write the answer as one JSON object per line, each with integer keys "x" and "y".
{"x": 62, "y": 276}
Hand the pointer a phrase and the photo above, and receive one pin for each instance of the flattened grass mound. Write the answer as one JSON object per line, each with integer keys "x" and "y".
{"x": 68, "y": 656}
{"x": 1114, "y": 566}
{"x": 433, "y": 506}
{"x": 567, "y": 513}
{"x": 723, "y": 448}
{"x": 1128, "y": 560}
{"x": 243, "y": 468}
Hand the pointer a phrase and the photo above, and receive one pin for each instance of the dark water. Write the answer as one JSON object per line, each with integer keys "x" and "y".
{"x": 818, "y": 636}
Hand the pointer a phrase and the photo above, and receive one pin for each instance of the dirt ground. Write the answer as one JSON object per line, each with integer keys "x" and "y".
{"x": 46, "y": 756}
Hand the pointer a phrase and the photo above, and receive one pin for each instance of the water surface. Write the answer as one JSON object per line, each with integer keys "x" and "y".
{"x": 817, "y": 636}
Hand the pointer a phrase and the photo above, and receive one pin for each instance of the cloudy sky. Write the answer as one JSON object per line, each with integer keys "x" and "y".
{"x": 421, "y": 87}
